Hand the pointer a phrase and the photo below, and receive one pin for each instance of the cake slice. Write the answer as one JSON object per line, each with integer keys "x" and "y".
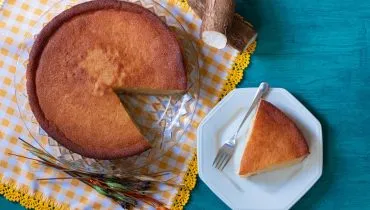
{"x": 274, "y": 141}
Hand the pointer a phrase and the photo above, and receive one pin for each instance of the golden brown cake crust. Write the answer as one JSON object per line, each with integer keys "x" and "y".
{"x": 275, "y": 139}
{"x": 61, "y": 88}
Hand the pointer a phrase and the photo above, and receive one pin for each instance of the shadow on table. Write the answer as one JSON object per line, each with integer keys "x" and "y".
{"x": 204, "y": 197}
{"x": 319, "y": 190}
{"x": 269, "y": 23}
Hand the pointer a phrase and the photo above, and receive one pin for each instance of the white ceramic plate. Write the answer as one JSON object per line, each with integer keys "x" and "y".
{"x": 279, "y": 189}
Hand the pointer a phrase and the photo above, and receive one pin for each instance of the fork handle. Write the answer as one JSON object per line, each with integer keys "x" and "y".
{"x": 261, "y": 91}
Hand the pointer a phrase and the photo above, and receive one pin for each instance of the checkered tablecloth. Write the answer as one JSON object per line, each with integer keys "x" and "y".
{"x": 17, "y": 176}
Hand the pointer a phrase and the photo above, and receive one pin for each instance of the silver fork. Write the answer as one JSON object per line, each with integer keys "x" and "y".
{"x": 226, "y": 151}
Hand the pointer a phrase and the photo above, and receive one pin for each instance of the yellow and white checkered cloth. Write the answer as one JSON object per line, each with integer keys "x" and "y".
{"x": 17, "y": 176}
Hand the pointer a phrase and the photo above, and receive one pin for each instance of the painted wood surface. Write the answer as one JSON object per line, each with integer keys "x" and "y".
{"x": 320, "y": 52}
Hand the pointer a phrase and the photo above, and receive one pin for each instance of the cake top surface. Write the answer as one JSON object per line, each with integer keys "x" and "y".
{"x": 273, "y": 141}
{"x": 86, "y": 53}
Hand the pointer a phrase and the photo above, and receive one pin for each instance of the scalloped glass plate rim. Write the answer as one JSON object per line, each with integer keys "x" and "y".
{"x": 20, "y": 51}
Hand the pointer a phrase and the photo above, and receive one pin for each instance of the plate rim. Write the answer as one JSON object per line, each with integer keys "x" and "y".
{"x": 317, "y": 172}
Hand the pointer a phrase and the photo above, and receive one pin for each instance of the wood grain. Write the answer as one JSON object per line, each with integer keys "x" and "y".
{"x": 319, "y": 51}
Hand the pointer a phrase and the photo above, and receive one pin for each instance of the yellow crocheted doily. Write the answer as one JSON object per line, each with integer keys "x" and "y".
{"x": 235, "y": 76}
{"x": 30, "y": 201}
{"x": 36, "y": 201}
{"x": 183, "y": 3}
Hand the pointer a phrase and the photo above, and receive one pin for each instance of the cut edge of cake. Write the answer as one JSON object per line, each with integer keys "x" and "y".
{"x": 49, "y": 127}
{"x": 300, "y": 151}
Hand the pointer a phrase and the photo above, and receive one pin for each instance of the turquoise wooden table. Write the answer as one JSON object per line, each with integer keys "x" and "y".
{"x": 319, "y": 51}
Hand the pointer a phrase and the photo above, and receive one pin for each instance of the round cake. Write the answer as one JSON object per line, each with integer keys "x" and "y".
{"x": 83, "y": 57}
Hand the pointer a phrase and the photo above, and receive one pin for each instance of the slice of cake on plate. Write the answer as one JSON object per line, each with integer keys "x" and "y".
{"x": 274, "y": 141}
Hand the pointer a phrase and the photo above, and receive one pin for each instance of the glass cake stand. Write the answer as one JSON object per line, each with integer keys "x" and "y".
{"x": 164, "y": 122}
